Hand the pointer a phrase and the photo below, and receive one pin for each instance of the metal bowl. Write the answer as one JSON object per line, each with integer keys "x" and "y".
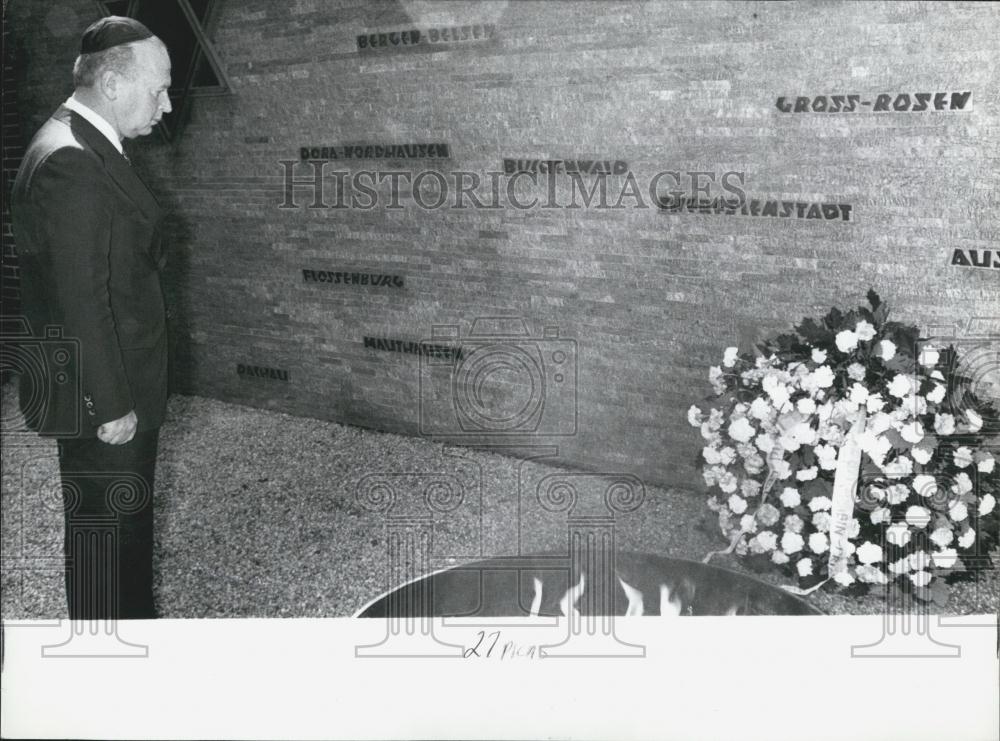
{"x": 551, "y": 585}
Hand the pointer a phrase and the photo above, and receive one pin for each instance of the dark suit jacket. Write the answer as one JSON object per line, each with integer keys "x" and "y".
{"x": 86, "y": 229}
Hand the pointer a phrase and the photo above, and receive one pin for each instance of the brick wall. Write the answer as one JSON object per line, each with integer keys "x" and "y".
{"x": 649, "y": 298}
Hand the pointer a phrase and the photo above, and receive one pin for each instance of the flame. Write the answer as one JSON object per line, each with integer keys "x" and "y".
{"x": 536, "y": 600}
{"x": 572, "y": 596}
{"x": 635, "y": 606}
{"x": 668, "y": 608}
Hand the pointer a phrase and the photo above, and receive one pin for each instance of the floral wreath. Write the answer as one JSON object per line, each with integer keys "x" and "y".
{"x": 851, "y": 450}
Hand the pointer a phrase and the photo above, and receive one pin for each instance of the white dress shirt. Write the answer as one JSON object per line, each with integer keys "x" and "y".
{"x": 100, "y": 123}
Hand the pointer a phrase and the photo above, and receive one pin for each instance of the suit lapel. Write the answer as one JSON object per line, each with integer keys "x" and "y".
{"x": 117, "y": 167}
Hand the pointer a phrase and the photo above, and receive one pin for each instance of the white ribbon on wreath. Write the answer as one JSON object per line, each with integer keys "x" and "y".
{"x": 845, "y": 487}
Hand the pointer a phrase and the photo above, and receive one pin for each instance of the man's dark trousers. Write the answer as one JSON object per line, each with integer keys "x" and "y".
{"x": 108, "y": 500}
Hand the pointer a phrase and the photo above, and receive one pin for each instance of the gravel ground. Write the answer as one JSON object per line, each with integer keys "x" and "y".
{"x": 261, "y": 514}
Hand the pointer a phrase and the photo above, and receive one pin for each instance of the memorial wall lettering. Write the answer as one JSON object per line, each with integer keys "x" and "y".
{"x": 415, "y": 39}
{"x": 882, "y": 103}
{"x": 757, "y": 207}
{"x": 513, "y": 165}
{"x": 972, "y": 258}
{"x": 443, "y": 352}
{"x": 352, "y": 278}
{"x": 376, "y": 152}
{"x": 259, "y": 371}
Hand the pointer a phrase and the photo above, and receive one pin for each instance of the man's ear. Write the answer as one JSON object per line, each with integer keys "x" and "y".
{"x": 109, "y": 84}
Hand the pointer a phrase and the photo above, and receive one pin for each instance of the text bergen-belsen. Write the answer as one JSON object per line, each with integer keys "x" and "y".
{"x": 421, "y": 37}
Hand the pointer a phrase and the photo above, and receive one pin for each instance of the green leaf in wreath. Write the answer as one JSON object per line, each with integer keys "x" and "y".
{"x": 896, "y": 440}
{"x": 834, "y": 319}
{"x": 813, "y": 332}
{"x": 939, "y": 592}
{"x": 873, "y": 299}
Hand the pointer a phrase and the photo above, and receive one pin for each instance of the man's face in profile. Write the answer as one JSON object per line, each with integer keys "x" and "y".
{"x": 143, "y": 95}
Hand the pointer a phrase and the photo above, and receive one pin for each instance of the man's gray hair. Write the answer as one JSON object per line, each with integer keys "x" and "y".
{"x": 88, "y": 68}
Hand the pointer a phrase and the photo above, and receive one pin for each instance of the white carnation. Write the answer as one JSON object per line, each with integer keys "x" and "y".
{"x": 897, "y": 494}
{"x": 695, "y": 417}
{"x": 924, "y": 485}
{"x": 846, "y": 340}
{"x": 963, "y": 457}
{"x": 741, "y": 430}
{"x": 945, "y": 558}
{"x": 985, "y": 462}
{"x": 729, "y": 357}
{"x": 737, "y": 504}
{"x": 865, "y": 331}
{"x": 827, "y": 457}
{"x": 986, "y": 504}
{"x": 818, "y": 543}
{"x": 767, "y": 539}
{"x": 944, "y": 424}
{"x": 807, "y": 474}
{"x": 900, "y": 386}
{"x": 936, "y": 396}
{"x": 963, "y": 484}
{"x": 856, "y": 372}
{"x": 918, "y": 516}
{"x": 728, "y": 482}
{"x": 920, "y": 578}
{"x": 791, "y": 542}
{"x": 869, "y": 553}
{"x": 902, "y": 466}
{"x": 844, "y": 578}
{"x": 942, "y": 536}
{"x": 929, "y": 357}
{"x": 887, "y": 350}
{"x": 822, "y": 377}
{"x": 817, "y": 504}
{"x": 880, "y": 515}
{"x": 912, "y": 432}
{"x": 898, "y": 533}
{"x": 875, "y": 403}
{"x": 790, "y": 497}
{"x": 806, "y": 406}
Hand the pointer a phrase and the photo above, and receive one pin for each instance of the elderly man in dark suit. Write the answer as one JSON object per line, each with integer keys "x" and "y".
{"x": 86, "y": 230}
